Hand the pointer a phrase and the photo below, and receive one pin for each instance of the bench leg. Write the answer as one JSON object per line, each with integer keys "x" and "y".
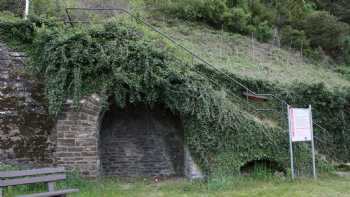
{"x": 51, "y": 186}
{"x": 0, "y": 192}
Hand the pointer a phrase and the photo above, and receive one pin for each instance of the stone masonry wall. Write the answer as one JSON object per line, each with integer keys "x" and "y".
{"x": 141, "y": 142}
{"x": 77, "y": 137}
{"x": 130, "y": 142}
{"x": 26, "y": 135}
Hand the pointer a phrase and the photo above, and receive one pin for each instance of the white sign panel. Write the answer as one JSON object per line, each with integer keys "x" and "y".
{"x": 300, "y": 124}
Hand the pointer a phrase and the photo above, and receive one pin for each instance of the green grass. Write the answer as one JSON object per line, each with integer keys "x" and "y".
{"x": 225, "y": 187}
{"x": 235, "y": 53}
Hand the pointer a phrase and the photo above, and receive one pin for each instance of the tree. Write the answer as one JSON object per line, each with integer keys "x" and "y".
{"x": 339, "y": 8}
{"x": 324, "y": 30}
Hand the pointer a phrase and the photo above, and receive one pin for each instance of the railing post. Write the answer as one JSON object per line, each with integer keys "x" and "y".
{"x": 69, "y": 17}
{"x": 282, "y": 114}
{"x": 247, "y": 98}
{"x": 26, "y": 10}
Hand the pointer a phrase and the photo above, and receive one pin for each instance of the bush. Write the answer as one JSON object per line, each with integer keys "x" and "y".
{"x": 14, "y": 6}
{"x": 326, "y": 31}
{"x": 294, "y": 38}
{"x": 347, "y": 51}
{"x": 209, "y": 11}
{"x": 214, "y": 11}
{"x": 234, "y": 15}
{"x": 264, "y": 32}
{"x": 237, "y": 20}
{"x": 261, "y": 13}
{"x": 19, "y": 33}
{"x": 15, "y": 30}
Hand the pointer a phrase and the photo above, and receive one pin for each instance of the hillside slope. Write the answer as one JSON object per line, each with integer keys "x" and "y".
{"x": 265, "y": 68}
{"x": 249, "y": 58}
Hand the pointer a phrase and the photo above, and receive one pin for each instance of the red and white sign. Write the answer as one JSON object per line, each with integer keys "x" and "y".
{"x": 300, "y": 127}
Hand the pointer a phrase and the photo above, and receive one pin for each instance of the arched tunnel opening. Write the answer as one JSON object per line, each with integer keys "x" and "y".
{"x": 262, "y": 167}
{"x": 139, "y": 141}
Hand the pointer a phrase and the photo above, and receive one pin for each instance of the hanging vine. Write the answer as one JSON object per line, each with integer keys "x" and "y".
{"x": 116, "y": 60}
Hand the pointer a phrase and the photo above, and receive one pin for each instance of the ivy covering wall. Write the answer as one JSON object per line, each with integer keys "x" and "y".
{"x": 330, "y": 108}
{"x": 119, "y": 61}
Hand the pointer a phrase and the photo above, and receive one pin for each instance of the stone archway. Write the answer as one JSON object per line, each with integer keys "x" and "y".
{"x": 93, "y": 141}
{"x": 137, "y": 141}
{"x": 76, "y": 137}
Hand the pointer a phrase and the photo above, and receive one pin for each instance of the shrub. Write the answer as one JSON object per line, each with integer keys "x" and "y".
{"x": 326, "y": 31}
{"x": 261, "y": 13}
{"x": 15, "y": 30}
{"x": 237, "y": 20}
{"x": 214, "y": 11}
{"x": 294, "y": 38}
{"x": 209, "y": 11}
{"x": 187, "y": 9}
{"x": 19, "y": 33}
{"x": 347, "y": 50}
{"x": 14, "y": 6}
{"x": 264, "y": 32}
{"x": 340, "y": 8}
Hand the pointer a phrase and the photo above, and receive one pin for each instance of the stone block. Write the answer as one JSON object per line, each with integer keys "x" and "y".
{"x": 66, "y": 142}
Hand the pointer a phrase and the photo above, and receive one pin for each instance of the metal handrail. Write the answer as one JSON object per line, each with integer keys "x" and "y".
{"x": 193, "y": 55}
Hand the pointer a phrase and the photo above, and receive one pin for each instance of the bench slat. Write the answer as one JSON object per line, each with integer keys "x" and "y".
{"x": 29, "y": 180}
{"x": 55, "y": 193}
{"x": 13, "y": 174}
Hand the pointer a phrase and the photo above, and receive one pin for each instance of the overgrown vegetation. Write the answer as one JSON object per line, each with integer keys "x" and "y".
{"x": 14, "y": 6}
{"x": 133, "y": 70}
{"x": 330, "y": 108}
{"x": 116, "y": 59}
{"x": 303, "y": 25}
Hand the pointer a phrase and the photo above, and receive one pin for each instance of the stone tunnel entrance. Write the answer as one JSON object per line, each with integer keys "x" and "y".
{"x": 140, "y": 142}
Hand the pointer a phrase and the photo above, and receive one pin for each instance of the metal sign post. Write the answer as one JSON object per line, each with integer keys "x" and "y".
{"x": 312, "y": 145}
{"x": 26, "y": 10}
{"x": 301, "y": 130}
{"x": 290, "y": 143}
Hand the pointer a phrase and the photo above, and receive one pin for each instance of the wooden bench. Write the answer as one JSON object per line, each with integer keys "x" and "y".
{"x": 44, "y": 175}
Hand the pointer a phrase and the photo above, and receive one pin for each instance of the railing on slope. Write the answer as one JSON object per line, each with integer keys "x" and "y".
{"x": 283, "y": 104}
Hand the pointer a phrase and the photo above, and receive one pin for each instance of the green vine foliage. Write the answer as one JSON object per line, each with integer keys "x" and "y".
{"x": 331, "y": 108}
{"x": 118, "y": 61}
{"x": 14, "y": 30}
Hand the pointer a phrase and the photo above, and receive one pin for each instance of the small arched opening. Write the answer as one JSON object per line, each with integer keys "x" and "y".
{"x": 262, "y": 167}
{"x": 139, "y": 141}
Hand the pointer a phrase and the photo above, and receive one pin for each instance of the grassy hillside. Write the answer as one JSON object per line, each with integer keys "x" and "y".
{"x": 249, "y": 58}
{"x": 266, "y": 68}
